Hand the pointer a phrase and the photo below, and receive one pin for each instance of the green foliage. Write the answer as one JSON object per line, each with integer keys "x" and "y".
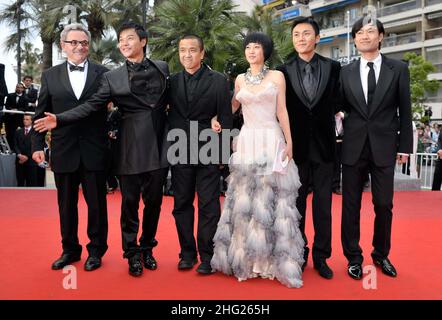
{"x": 420, "y": 84}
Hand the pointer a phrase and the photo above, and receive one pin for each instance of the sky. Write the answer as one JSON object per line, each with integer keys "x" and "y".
{"x": 7, "y": 58}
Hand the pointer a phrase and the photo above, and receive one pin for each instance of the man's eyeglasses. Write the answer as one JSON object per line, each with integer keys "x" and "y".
{"x": 75, "y": 43}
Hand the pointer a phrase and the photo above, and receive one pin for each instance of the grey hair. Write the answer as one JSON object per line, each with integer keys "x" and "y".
{"x": 72, "y": 27}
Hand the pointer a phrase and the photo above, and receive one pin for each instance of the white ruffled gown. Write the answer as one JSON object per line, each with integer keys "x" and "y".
{"x": 258, "y": 234}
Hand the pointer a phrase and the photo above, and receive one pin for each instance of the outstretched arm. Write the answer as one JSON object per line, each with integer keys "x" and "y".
{"x": 98, "y": 101}
{"x": 282, "y": 114}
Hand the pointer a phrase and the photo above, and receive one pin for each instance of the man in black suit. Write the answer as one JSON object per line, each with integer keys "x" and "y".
{"x": 26, "y": 168}
{"x": 197, "y": 95}
{"x": 378, "y": 131}
{"x": 79, "y": 151}
{"x": 437, "y": 178}
{"x": 139, "y": 89}
{"x": 3, "y": 91}
{"x": 312, "y": 84}
{"x": 16, "y": 101}
{"x": 30, "y": 92}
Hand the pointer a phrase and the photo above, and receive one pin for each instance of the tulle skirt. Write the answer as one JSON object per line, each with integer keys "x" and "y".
{"x": 258, "y": 233}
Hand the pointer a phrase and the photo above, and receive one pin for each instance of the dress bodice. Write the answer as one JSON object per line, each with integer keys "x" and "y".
{"x": 259, "y": 105}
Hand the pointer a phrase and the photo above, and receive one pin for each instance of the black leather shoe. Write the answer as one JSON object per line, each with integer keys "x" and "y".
{"x": 355, "y": 271}
{"x": 186, "y": 264}
{"x": 323, "y": 269}
{"x": 386, "y": 267}
{"x": 149, "y": 261}
{"x": 64, "y": 260}
{"x": 337, "y": 191}
{"x": 204, "y": 268}
{"x": 92, "y": 263}
{"x": 135, "y": 266}
{"x": 306, "y": 252}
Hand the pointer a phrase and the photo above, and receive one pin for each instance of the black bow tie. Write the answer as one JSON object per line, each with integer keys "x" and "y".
{"x": 75, "y": 68}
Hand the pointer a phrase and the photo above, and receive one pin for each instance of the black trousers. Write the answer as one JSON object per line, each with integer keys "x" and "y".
{"x": 27, "y": 174}
{"x": 150, "y": 186}
{"x": 205, "y": 180}
{"x": 336, "y": 184}
{"x": 437, "y": 178}
{"x": 382, "y": 186}
{"x": 94, "y": 190}
{"x": 319, "y": 174}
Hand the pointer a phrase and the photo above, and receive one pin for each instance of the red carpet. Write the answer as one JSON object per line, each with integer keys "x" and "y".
{"x": 30, "y": 241}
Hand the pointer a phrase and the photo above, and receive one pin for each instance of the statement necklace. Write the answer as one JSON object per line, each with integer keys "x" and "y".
{"x": 257, "y": 78}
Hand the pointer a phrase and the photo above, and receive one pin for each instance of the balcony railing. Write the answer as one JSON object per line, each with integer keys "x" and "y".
{"x": 400, "y": 39}
{"x": 399, "y": 7}
{"x": 433, "y": 33}
{"x": 431, "y": 2}
{"x": 438, "y": 66}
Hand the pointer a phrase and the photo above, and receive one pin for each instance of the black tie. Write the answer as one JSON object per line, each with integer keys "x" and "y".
{"x": 75, "y": 68}
{"x": 371, "y": 84}
{"x": 309, "y": 82}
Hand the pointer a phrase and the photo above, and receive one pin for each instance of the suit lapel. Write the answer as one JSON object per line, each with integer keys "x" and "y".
{"x": 65, "y": 80}
{"x": 181, "y": 97}
{"x": 325, "y": 69}
{"x": 124, "y": 75}
{"x": 292, "y": 70}
{"x": 356, "y": 87}
{"x": 385, "y": 77}
{"x": 92, "y": 74}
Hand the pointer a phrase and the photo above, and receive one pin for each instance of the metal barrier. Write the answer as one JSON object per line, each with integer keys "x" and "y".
{"x": 421, "y": 166}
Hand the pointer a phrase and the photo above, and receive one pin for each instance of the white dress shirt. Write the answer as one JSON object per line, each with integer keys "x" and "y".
{"x": 364, "y": 69}
{"x": 78, "y": 78}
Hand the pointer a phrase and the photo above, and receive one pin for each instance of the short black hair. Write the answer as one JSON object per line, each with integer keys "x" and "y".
{"x": 308, "y": 20}
{"x": 195, "y": 37}
{"x": 359, "y": 24}
{"x": 139, "y": 29}
{"x": 28, "y": 77}
{"x": 264, "y": 40}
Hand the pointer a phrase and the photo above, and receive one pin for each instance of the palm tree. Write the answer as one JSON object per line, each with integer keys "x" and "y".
{"x": 263, "y": 20}
{"x": 213, "y": 20}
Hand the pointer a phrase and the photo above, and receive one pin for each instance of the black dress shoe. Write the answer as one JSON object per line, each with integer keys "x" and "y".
{"x": 306, "y": 252}
{"x": 386, "y": 267}
{"x": 204, "y": 268}
{"x": 135, "y": 266}
{"x": 355, "y": 271}
{"x": 64, "y": 260}
{"x": 323, "y": 269}
{"x": 149, "y": 261}
{"x": 92, "y": 263}
{"x": 186, "y": 264}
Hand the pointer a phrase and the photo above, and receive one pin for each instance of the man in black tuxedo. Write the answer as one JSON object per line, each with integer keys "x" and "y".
{"x": 79, "y": 151}
{"x": 139, "y": 89}
{"x": 16, "y": 101}
{"x": 312, "y": 84}
{"x": 437, "y": 178}
{"x": 197, "y": 95}
{"x": 26, "y": 168}
{"x": 30, "y": 92}
{"x": 378, "y": 131}
{"x": 3, "y": 90}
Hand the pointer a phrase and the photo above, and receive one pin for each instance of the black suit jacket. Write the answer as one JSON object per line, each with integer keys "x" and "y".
{"x": 387, "y": 125}
{"x": 22, "y": 144}
{"x": 140, "y": 145}
{"x": 21, "y": 105}
{"x": 31, "y": 94}
{"x": 212, "y": 98}
{"x": 312, "y": 124}
{"x": 84, "y": 141}
{"x": 3, "y": 88}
